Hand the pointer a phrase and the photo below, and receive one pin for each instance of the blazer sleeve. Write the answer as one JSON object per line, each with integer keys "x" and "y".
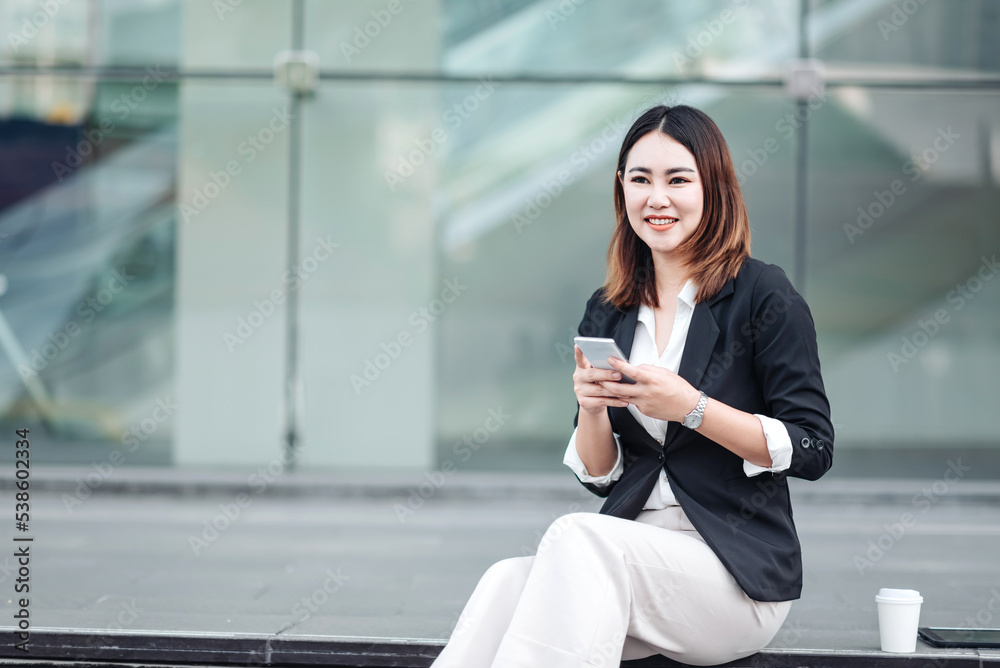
{"x": 786, "y": 362}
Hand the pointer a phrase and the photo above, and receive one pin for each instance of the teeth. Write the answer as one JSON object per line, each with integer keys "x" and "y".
{"x": 661, "y": 221}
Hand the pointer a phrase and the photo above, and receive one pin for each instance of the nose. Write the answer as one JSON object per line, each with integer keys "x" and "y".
{"x": 659, "y": 198}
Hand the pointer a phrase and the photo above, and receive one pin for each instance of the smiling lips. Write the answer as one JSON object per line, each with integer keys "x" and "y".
{"x": 665, "y": 222}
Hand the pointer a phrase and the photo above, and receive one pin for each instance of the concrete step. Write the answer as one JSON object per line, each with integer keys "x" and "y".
{"x": 64, "y": 647}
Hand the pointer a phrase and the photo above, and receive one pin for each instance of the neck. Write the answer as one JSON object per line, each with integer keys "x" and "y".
{"x": 671, "y": 274}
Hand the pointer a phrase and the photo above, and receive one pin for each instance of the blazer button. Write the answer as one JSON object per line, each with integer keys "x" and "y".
{"x": 805, "y": 441}
{"x": 661, "y": 458}
{"x": 820, "y": 444}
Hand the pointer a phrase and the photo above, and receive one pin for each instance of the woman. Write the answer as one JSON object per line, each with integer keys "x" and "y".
{"x": 694, "y": 554}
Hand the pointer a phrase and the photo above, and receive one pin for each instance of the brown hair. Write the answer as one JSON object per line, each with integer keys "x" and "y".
{"x": 719, "y": 245}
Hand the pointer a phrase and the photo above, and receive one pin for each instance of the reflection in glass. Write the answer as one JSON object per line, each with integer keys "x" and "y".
{"x": 86, "y": 251}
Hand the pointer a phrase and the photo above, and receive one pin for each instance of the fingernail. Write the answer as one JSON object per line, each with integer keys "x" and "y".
{"x": 616, "y": 376}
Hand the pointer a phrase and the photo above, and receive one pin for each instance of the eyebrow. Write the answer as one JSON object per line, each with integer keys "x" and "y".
{"x": 672, "y": 170}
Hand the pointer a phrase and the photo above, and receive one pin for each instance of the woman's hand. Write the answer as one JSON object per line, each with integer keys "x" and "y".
{"x": 591, "y": 395}
{"x": 658, "y": 393}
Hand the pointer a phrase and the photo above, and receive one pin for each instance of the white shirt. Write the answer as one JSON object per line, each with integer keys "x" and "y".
{"x": 779, "y": 445}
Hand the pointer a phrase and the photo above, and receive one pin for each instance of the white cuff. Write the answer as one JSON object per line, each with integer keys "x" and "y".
{"x": 779, "y": 445}
{"x": 572, "y": 460}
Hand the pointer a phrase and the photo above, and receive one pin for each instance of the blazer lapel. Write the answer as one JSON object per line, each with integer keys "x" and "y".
{"x": 624, "y": 332}
{"x": 699, "y": 344}
{"x": 702, "y": 335}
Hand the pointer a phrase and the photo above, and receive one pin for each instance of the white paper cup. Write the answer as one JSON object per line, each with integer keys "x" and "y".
{"x": 898, "y": 619}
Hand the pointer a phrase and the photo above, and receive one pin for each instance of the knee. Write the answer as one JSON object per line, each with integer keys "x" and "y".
{"x": 569, "y": 527}
{"x": 505, "y": 569}
{"x": 760, "y": 633}
{"x": 784, "y": 635}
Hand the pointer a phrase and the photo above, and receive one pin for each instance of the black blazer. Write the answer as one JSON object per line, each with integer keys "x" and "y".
{"x": 753, "y": 347}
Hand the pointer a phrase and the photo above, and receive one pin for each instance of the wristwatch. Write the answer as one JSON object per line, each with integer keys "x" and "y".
{"x": 693, "y": 419}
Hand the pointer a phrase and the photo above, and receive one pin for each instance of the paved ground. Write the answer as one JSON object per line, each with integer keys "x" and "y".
{"x": 311, "y": 560}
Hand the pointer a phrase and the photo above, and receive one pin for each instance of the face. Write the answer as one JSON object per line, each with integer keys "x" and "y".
{"x": 663, "y": 192}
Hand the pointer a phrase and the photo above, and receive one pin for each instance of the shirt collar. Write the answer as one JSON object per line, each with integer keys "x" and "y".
{"x": 686, "y": 295}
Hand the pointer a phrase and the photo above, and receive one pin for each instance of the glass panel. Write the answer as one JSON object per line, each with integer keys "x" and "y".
{"x": 652, "y": 38}
{"x": 91, "y": 32}
{"x": 902, "y": 239}
{"x": 235, "y": 35}
{"x": 87, "y": 232}
{"x": 376, "y": 34}
{"x": 53, "y": 34}
{"x": 901, "y": 39}
{"x": 91, "y": 219}
{"x": 140, "y": 32}
{"x": 232, "y": 204}
{"x": 367, "y": 354}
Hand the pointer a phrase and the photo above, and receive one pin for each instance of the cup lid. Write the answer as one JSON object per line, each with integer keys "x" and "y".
{"x": 888, "y": 595}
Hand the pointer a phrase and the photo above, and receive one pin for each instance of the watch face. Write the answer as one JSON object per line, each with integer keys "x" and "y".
{"x": 693, "y": 419}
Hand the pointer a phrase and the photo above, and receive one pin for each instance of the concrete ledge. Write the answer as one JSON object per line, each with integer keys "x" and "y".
{"x": 73, "y": 647}
{"x": 220, "y": 650}
{"x": 458, "y": 485}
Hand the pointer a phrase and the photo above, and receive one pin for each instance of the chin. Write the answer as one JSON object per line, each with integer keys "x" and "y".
{"x": 659, "y": 245}
{"x": 664, "y": 250}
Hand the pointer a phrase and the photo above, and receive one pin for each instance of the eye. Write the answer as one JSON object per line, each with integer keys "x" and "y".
{"x": 678, "y": 178}
{"x": 639, "y": 179}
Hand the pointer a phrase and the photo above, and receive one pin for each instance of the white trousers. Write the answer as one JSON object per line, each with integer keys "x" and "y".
{"x": 603, "y": 589}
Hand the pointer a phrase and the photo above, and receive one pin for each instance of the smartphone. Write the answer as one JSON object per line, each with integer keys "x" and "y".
{"x": 598, "y": 350}
{"x": 955, "y": 637}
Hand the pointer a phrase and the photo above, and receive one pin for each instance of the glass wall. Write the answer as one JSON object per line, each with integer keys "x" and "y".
{"x": 202, "y": 268}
